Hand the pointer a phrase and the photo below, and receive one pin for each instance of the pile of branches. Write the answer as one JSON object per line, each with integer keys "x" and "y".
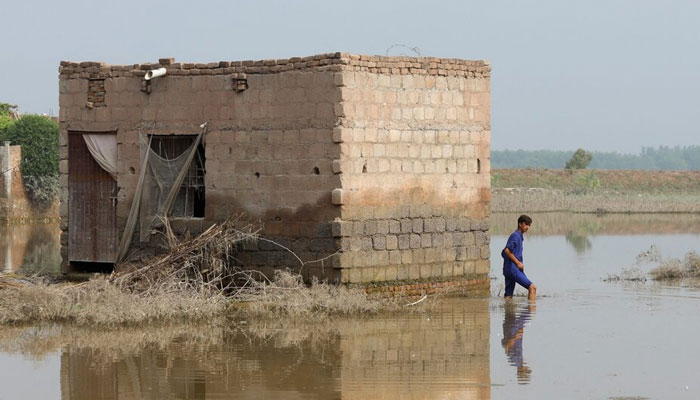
{"x": 205, "y": 266}
{"x": 204, "y": 263}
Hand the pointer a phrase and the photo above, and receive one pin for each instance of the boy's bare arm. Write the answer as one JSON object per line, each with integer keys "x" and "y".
{"x": 514, "y": 259}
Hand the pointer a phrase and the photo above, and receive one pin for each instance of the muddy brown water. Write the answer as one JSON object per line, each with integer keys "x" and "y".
{"x": 30, "y": 248}
{"x": 583, "y": 338}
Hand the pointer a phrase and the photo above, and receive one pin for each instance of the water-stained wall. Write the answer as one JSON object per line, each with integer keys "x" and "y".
{"x": 376, "y": 165}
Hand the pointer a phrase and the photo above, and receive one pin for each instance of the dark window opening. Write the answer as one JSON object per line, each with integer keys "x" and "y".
{"x": 478, "y": 166}
{"x": 190, "y": 200}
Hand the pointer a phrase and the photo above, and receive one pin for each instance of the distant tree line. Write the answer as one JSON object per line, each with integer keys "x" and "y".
{"x": 650, "y": 158}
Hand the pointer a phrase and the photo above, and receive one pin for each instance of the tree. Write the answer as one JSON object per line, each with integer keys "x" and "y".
{"x": 5, "y": 122}
{"x": 38, "y": 137}
{"x": 7, "y": 109}
{"x": 579, "y": 160}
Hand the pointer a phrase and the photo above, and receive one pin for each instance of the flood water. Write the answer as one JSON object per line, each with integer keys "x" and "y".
{"x": 30, "y": 248}
{"x": 583, "y": 338}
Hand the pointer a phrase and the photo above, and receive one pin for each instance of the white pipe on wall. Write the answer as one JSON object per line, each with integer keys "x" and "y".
{"x": 154, "y": 73}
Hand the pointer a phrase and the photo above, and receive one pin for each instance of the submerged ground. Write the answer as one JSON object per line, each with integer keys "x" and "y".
{"x": 583, "y": 338}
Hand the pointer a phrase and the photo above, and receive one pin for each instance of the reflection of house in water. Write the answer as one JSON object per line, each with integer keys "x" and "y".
{"x": 442, "y": 355}
{"x": 429, "y": 355}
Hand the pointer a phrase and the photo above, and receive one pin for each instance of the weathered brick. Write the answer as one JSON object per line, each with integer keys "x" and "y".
{"x": 429, "y": 225}
{"x": 440, "y": 224}
{"x": 404, "y": 242}
{"x": 371, "y": 227}
{"x": 394, "y": 226}
{"x": 406, "y": 225}
{"x": 341, "y": 228}
{"x": 392, "y": 242}
{"x": 395, "y": 257}
{"x": 383, "y": 227}
{"x": 438, "y": 240}
{"x": 379, "y": 242}
{"x": 406, "y": 256}
{"x": 417, "y": 225}
{"x": 415, "y": 241}
{"x": 481, "y": 238}
{"x": 358, "y": 228}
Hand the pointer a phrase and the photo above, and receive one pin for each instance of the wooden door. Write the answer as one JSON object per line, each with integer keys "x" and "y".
{"x": 92, "y": 206}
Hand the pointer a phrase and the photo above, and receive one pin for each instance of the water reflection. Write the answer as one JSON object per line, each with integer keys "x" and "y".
{"x": 436, "y": 353}
{"x": 580, "y": 243}
{"x": 578, "y": 228}
{"x": 30, "y": 248}
{"x": 514, "y": 321}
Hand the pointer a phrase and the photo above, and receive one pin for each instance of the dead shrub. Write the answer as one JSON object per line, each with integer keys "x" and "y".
{"x": 195, "y": 278}
{"x": 287, "y": 294}
{"x": 99, "y": 301}
{"x": 669, "y": 269}
{"x": 632, "y": 274}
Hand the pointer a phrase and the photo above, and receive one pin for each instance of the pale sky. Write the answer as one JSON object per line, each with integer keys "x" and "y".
{"x": 603, "y": 75}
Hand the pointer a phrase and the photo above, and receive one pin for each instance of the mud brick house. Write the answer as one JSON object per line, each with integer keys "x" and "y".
{"x": 371, "y": 169}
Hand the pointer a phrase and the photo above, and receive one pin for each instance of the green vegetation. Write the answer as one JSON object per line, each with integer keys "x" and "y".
{"x": 664, "y": 158}
{"x": 585, "y": 183}
{"x": 579, "y": 160}
{"x": 38, "y": 137}
{"x": 6, "y": 112}
{"x": 7, "y": 109}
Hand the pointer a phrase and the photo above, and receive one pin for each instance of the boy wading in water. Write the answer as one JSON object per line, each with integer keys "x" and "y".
{"x": 513, "y": 268}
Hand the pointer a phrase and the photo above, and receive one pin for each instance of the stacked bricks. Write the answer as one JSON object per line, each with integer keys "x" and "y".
{"x": 333, "y": 62}
{"x": 416, "y": 247}
{"x": 369, "y": 168}
{"x": 96, "y": 92}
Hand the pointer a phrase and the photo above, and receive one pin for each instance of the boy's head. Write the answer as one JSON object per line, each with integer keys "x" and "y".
{"x": 524, "y": 223}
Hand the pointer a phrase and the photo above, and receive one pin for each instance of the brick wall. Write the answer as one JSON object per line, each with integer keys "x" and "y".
{"x": 394, "y": 139}
{"x": 414, "y": 171}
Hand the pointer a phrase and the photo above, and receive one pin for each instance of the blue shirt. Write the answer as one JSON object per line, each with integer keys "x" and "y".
{"x": 515, "y": 245}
